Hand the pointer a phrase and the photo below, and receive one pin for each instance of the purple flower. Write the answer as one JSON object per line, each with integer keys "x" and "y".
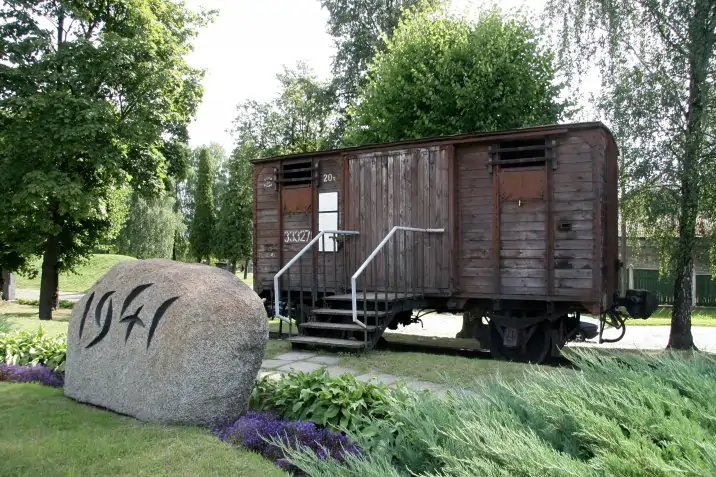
{"x": 32, "y": 374}
{"x": 256, "y": 430}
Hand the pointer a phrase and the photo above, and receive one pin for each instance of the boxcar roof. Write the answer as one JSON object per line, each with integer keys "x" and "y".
{"x": 457, "y": 138}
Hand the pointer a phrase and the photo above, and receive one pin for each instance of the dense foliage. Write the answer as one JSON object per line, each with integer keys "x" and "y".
{"x": 442, "y": 74}
{"x": 635, "y": 415}
{"x": 339, "y": 402}
{"x": 151, "y": 228}
{"x": 266, "y": 433}
{"x": 203, "y": 224}
{"x": 656, "y": 61}
{"x": 33, "y": 348}
{"x": 94, "y": 96}
{"x": 359, "y": 31}
{"x": 234, "y": 221}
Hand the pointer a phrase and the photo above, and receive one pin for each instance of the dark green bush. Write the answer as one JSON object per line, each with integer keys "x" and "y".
{"x": 639, "y": 415}
{"x": 65, "y": 304}
{"x": 340, "y": 402}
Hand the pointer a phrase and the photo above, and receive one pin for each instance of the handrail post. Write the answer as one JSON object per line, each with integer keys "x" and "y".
{"x": 354, "y": 278}
{"x": 306, "y": 248}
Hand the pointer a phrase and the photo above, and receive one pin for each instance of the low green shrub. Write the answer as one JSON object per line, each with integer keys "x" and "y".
{"x": 64, "y": 304}
{"x": 631, "y": 416}
{"x": 340, "y": 402}
{"x": 30, "y": 348}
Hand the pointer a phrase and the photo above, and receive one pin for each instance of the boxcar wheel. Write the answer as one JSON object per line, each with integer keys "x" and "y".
{"x": 530, "y": 344}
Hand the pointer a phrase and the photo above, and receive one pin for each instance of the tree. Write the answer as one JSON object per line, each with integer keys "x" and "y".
{"x": 150, "y": 230}
{"x": 657, "y": 64}
{"x": 93, "y": 96}
{"x": 299, "y": 119}
{"x": 201, "y": 232}
{"x": 444, "y": 75}
{"x": 234, "y": 224}
{"x": 360, "y": 30}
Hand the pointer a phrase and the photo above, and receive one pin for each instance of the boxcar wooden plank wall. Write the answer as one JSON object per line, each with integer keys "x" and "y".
{"x": 577, "y": 204}
{"x": 476, "y": 211}
{"x": 266, "y": 227}
{"x": 490, "y": 214}
{"x": 287, "y": 218}
{"x": 404, "y": 187}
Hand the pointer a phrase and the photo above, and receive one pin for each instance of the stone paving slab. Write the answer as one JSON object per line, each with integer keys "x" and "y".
{"x": 309, "y": 362}
{"x": 380, "y": 377}
{"x": 272, "y": 363}
{"x": 295, "y": 356}
{"x": 337, "y": 370}
{"x": 327, "y": 360}
{"x": 271, "y": 374}
{"x": 304, "y": 366}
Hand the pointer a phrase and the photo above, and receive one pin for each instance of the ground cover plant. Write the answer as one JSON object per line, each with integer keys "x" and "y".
{"x": 340, "y": 402}
{"x": 266, "y": 433}
{"x": 638, "y": 414}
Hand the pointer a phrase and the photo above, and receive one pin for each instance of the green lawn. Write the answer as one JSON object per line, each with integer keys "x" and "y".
{"x": 431, "y": 367}
{"x": 81, "y": 281}
{"x": 662, "y": 317}
{"x": 45, "y": 434}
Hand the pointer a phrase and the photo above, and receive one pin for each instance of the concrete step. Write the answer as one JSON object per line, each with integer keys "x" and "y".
{"x": 341, "y": 312}
{"x": 319, "y": 325}
{"x": 328, "y": 342}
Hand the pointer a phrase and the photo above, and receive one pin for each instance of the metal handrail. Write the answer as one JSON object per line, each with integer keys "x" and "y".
{"x": 308, "y": 246}
{"x": 354, "y": 278}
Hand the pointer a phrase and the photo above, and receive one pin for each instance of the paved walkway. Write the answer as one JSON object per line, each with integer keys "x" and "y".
{"x": 35, "y": 295}
{"x": 308, "y": 362}
{"x": 636, "y": 337}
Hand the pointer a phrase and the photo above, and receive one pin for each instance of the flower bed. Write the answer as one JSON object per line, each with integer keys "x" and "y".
{"x": 32, "y": 374}
{"x": 267, "y": 433}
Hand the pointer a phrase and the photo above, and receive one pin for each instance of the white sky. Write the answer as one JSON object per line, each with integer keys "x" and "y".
{"x": 247, "y": 45}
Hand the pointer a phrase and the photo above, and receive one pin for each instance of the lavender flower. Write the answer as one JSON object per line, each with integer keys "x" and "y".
{"x": 256, "y": 430}
{"x": 31, "y": 374}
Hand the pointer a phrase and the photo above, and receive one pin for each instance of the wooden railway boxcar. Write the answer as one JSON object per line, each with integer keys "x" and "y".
{"x": 517, "y": 228}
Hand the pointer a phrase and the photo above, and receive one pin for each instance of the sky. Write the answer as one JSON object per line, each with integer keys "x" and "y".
{"x": 248, "y": 44}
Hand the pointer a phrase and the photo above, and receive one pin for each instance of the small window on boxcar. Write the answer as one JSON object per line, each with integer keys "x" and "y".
{"x": 297, "y": 173}
{"x": 524, "y": 153}
{"x": 328, "y": 220}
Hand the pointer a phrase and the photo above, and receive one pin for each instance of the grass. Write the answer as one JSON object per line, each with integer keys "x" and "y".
{"x": 439, "y": 369}
{"x": 46, "y": 434}
{"x": 26, "y": 318}
{"x": 662, "y": 317}
{"x": 85, "y": 276}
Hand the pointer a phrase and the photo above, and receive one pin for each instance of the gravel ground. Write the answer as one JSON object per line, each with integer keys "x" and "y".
{"x": 636, "y": 337}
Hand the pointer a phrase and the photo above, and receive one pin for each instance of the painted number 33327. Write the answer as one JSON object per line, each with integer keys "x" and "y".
{"x": 296, "y": 236}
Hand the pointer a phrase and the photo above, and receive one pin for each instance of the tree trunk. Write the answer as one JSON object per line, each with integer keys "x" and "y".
{"x": 701, "y": 41}
{"x": 47, "y": 280}
{"x": 56, "y": 295}
{"x": 246, "y": 269}
{"x": 624, "y": 271}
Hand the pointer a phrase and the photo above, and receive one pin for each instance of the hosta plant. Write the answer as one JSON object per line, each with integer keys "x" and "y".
{"x": 341, "y": 402}
{"x": 33, "y": 348}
